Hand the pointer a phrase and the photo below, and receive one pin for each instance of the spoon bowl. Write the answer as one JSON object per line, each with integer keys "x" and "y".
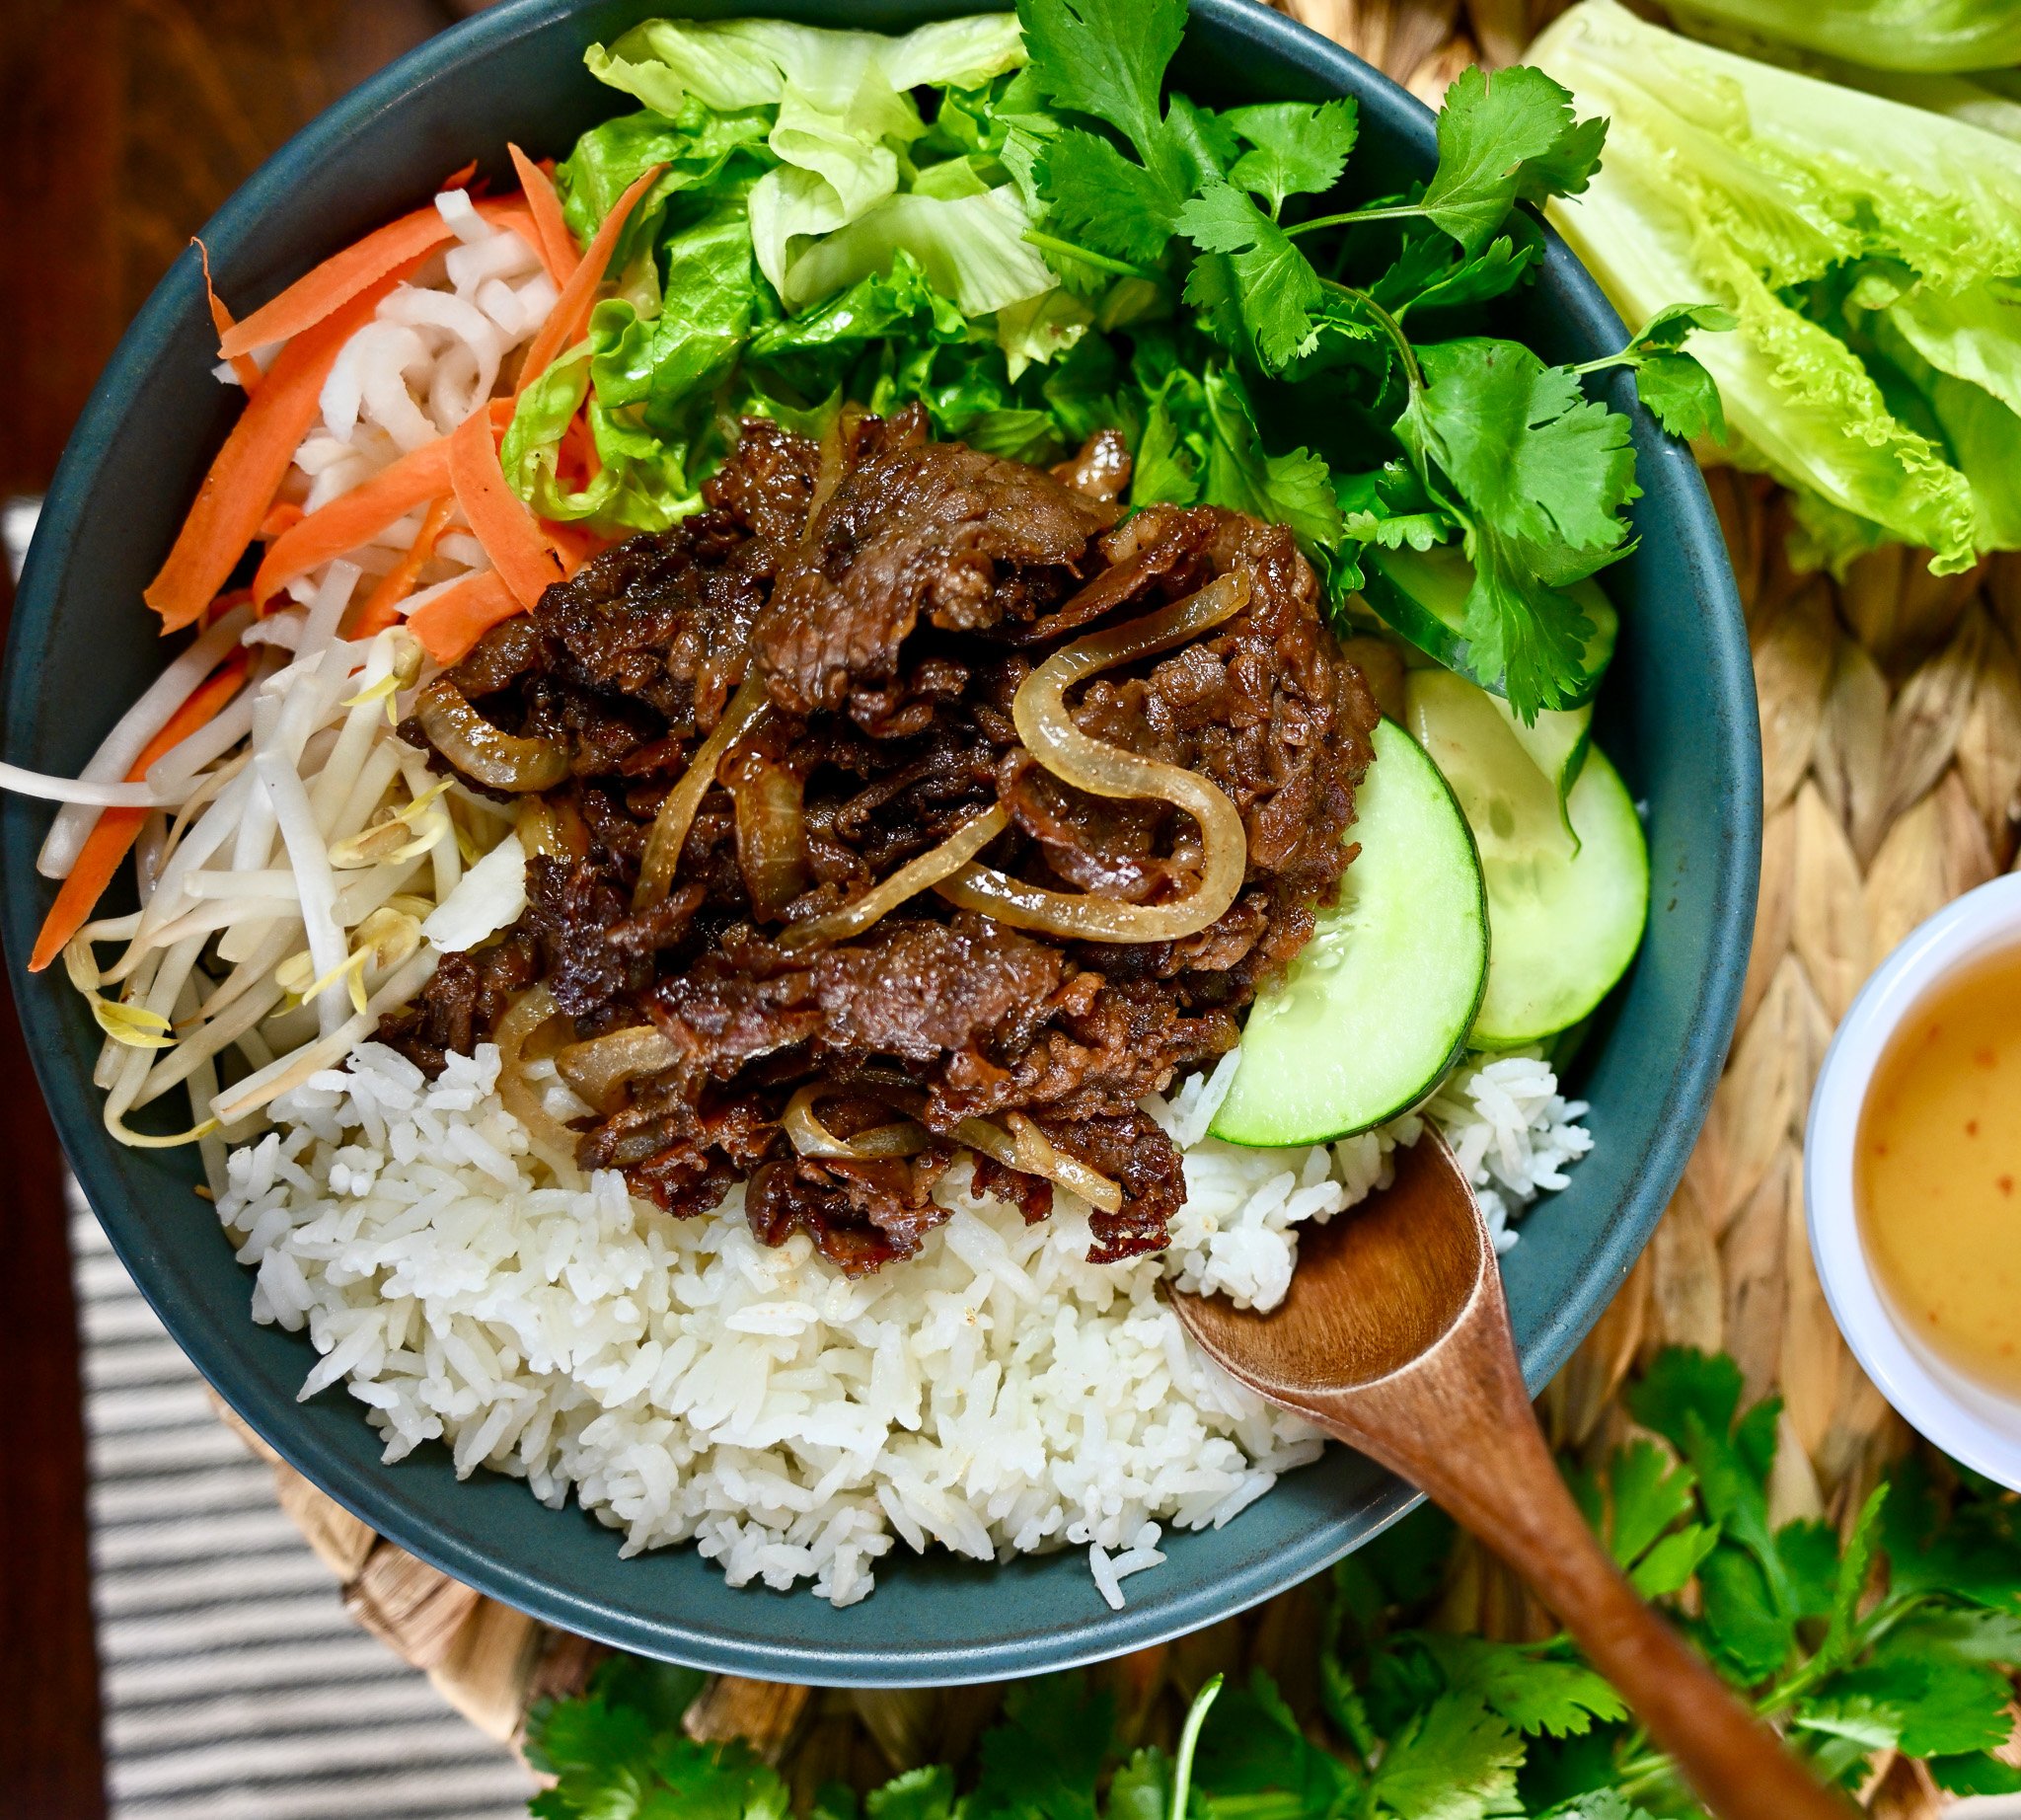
{"x": 1374, "y": 1291}
{"x": 1394, "y": 1338}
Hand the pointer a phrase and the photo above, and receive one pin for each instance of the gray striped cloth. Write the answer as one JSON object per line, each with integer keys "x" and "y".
{"x": 234, "y": 1686}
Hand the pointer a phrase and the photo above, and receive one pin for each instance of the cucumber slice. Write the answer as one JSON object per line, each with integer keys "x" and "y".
{"x": 1422, "y": 594}
{"x": 1565, "y": 911}
{"x": 1557, "y": 743}
{"x": 1376, "y": 1006}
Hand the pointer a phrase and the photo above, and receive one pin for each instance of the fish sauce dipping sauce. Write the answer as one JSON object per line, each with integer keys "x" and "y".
{"x": 1937, "y": 1176}
{"x": 1912, "y": 1178}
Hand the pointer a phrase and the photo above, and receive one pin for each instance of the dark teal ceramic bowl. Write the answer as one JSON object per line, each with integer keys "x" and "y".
{"x": 1678, "y": 719}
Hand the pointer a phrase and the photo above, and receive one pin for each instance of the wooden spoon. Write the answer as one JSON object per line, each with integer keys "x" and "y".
{"x": 1394, "y": 1338}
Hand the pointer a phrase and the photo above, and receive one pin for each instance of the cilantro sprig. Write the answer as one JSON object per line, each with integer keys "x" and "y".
{"x": 1895, "y": 1632}
{"x": 1309, "y": 317}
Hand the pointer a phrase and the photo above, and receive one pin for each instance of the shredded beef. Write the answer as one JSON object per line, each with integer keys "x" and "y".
{"x": 893, "y": 593}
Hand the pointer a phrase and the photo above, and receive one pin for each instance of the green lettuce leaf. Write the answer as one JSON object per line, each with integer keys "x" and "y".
{"x": 1906, "y": 34}
{"x": 709, "y": 153}
{"x": 643, "y": 482}
{"x": 972, "y": 249}
{"x": 841, "y": 105}
{"x": 1803, "y": 208}
{"x": 731, "y": 63}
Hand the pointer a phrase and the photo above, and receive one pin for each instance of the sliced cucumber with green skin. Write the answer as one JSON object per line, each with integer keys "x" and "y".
{"x": 1376, "y": 1006}
{"x": 1565, "y": 916}
{"x": 1557, "y": 743}
{"x": 1422, "y": 595}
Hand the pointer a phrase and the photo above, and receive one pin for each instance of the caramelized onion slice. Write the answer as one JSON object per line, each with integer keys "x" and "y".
{"x": 677, "y": 813}
{"x": 596, "y": 1069}
{"x": 1048, "y": 730}
{"x": 1026, "y": 1147}
{"x": 550, "y": 1140}
{"x": 772, "y": 833}
{"x": 482, "y": 750}
{"x": 930, "y": 870}
{"x": 811, "y": 1138}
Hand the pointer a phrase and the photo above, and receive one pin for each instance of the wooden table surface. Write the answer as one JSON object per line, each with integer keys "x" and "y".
{"x": 126, "y": 122}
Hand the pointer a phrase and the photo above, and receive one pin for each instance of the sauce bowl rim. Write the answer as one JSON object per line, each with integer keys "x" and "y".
{"x": 1982, "y": 922}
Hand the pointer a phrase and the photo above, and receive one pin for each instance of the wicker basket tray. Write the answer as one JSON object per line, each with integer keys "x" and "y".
{"x": 1891, "y": 734}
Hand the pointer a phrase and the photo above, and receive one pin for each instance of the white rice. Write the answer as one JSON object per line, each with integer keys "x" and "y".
{"x": 995, "y": 1394}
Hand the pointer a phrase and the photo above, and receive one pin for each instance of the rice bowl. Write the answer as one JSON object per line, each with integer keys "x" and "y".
{"x": 538, "y": 1564}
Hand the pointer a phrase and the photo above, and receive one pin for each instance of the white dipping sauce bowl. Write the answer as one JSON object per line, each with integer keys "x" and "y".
{"x": 1967, "y": 1421}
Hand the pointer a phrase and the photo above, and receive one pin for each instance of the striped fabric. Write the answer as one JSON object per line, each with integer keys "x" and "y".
{"x": 234, "y": 1686}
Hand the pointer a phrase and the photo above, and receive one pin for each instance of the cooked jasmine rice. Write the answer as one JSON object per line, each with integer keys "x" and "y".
{"x": 995, "y": 1394}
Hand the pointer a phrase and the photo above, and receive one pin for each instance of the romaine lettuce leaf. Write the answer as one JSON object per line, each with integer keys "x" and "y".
{"x": 1810, "y": 212}
{"x": 1912, "y": 34}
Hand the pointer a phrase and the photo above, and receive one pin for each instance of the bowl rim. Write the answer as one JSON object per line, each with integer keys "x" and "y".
{"x": 1939, "y": 1403}
{"x": 1713, "y": 1002}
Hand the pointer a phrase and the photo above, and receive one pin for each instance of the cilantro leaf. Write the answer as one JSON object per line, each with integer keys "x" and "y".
{"x": 1108, "y": 62}
{"x": 1747, "y": 1626}
{"x": 1518, "y": 630}
{"x": 1455, "y": 1762}
{"x": 1682, "y": 396}
{"x": 1255, "y": 1744}
{"x": 1166, "y": 472}
{"x": 1200, "y": 441}
{"x": 1669, "y": 1566}
{"x": 1682, "y": 1382}
{"x": 1141, "y": 1790}
{"x": 1408, "y": 1561}
{"x": 1650, "y": 1493}
{"x": 1976, "y": 1774}
{"x": 1669, "y": 327}
{"x": 1102, "y": 199}
{"x": 1502, "y": 139}
{"x": 1423, "y": 260}
{"x": 589, "y": 1736}
{"x": 1600, "y": 1804}
{"x": 1419, "y": 530}
{"x": 1526, "y": 446}
{"x": 1539, "y": 474}
{"x": 1689, "y": 1398}
{"x": 925, "y": 1793}
{"x": 1213, "y": 289}
{"x": 834, "y": 1801}
{"x": 1854, "y": 1717}
{"x": 1042, "y": 1760}
{"x": 1839, "y": 1735}
{"x": 1968, "y": 1636}
{"x": 1810, "y": 1557}
{"x": 1202, "y": 139}
{"x": 1490, "y": 273}
{"x": 703, "y": 1781}
{"x": 1278, "y": 288}
{"x": 1534, "y": 1692}
{"x": 1856, "y": 1566}
{"x": 1297, "y": 148}
{"x": 1944, "y": 1706}
{"x": 1676, "y": 386}
{"x": 1345, "y": 1708}
{"x": 1969, "y": 1552}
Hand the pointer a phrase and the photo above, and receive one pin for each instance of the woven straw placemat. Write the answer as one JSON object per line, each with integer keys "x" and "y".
{"x": 1890, "y": 735}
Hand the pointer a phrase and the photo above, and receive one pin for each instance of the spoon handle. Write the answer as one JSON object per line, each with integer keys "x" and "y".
{"x": 1487, "y": 1462}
